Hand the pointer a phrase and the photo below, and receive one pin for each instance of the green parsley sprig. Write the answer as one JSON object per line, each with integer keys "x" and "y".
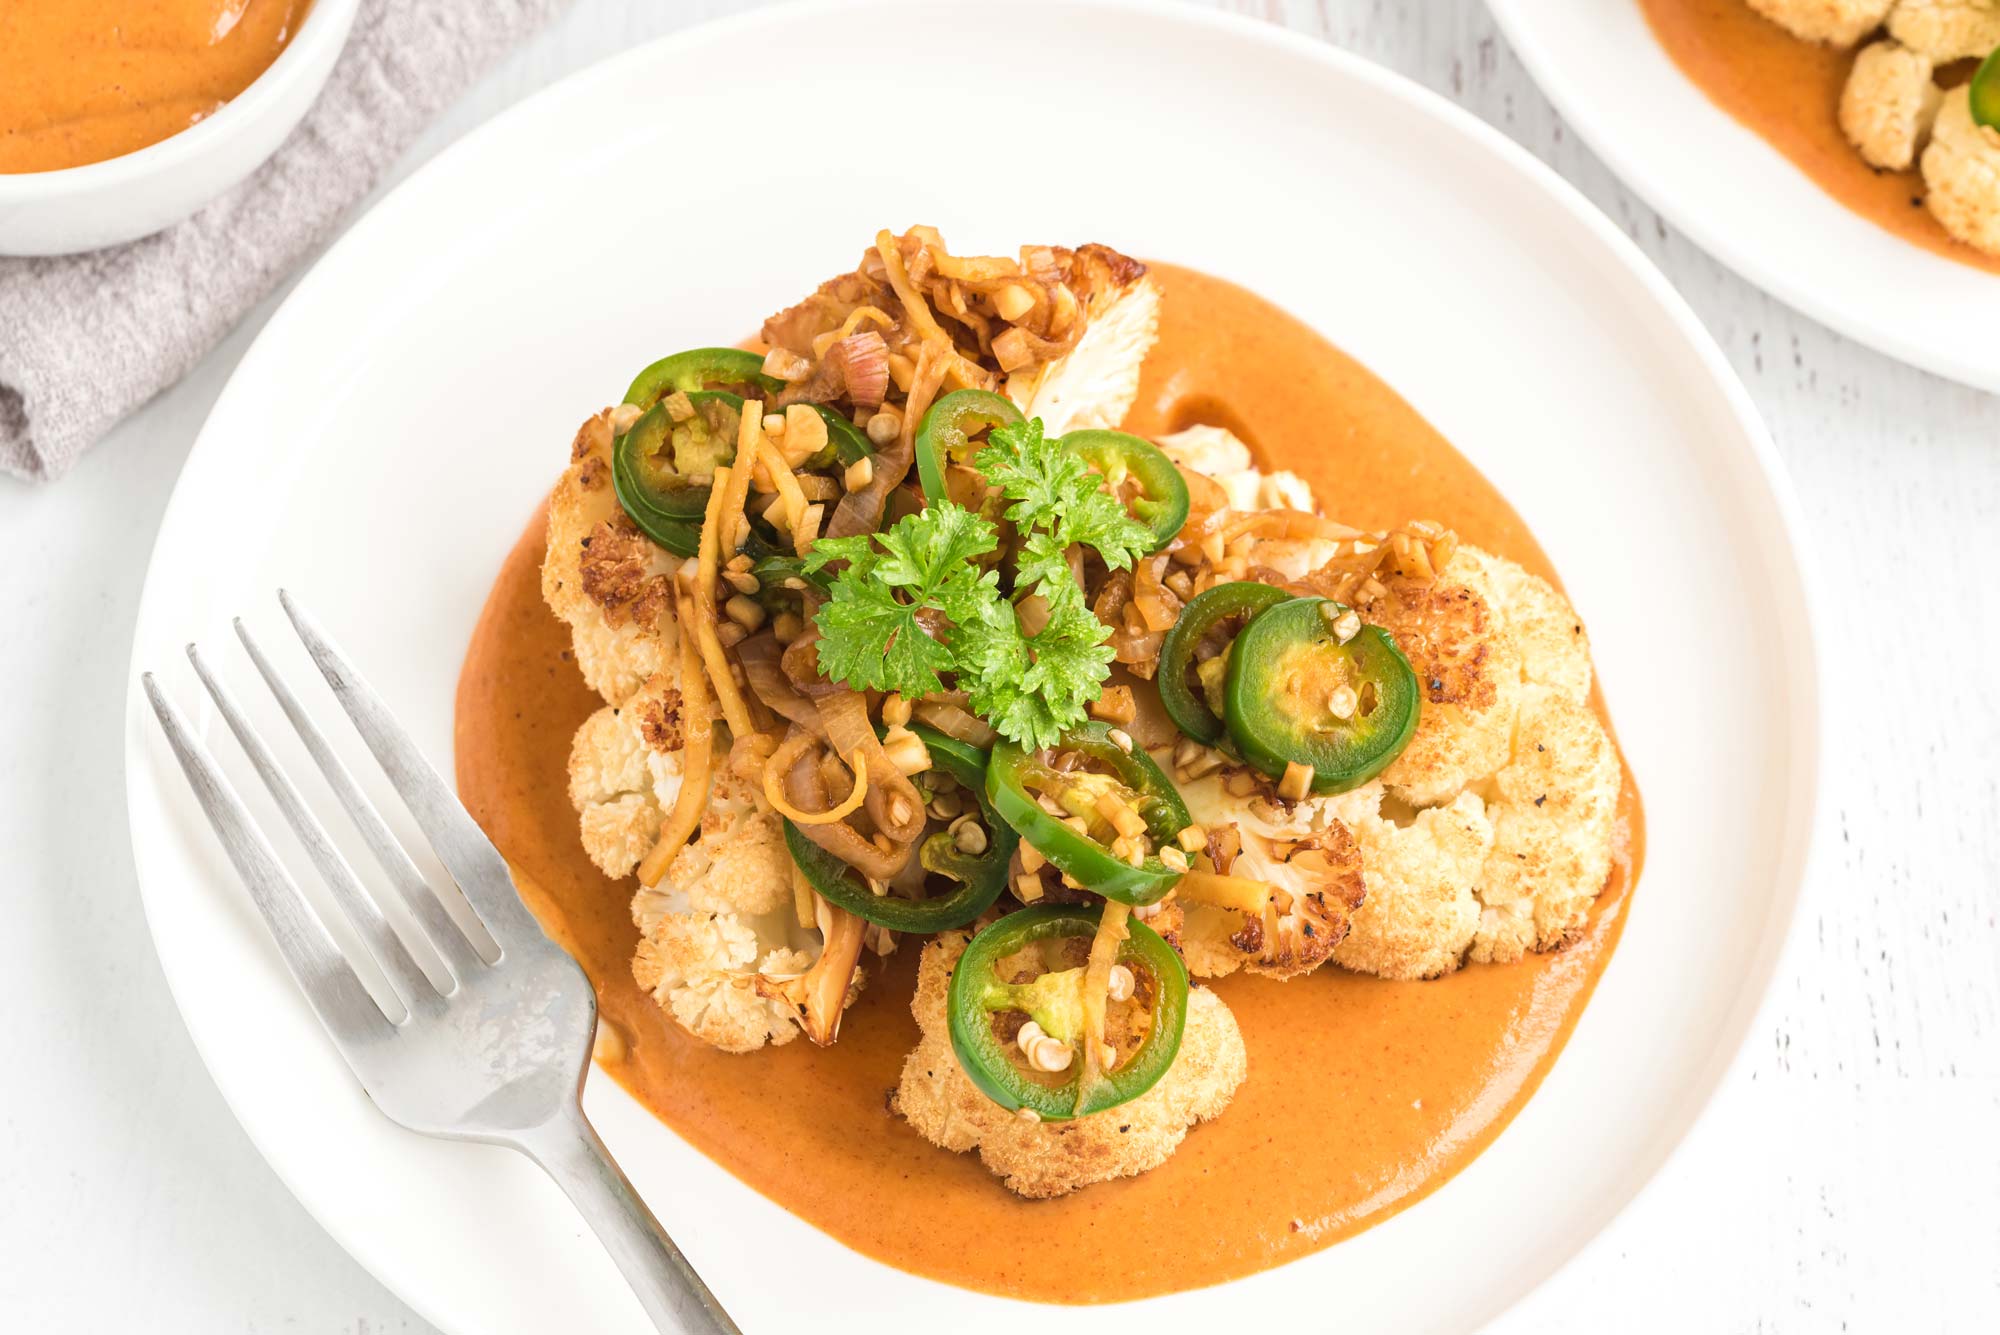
{"x": 914, "y": 602}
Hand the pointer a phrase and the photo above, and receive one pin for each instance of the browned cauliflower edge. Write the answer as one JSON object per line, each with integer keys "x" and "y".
{"x": 1042, "y": 1159}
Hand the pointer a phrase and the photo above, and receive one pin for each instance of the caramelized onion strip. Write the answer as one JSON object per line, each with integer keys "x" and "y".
{"x": 697, "y": 757}
{"x": 954, "y": 722}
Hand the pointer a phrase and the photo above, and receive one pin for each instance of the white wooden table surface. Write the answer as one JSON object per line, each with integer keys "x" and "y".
{"x": 1848, "y": 1178}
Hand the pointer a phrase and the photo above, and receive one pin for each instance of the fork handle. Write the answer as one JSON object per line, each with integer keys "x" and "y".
{"x": 673, "y": 1295}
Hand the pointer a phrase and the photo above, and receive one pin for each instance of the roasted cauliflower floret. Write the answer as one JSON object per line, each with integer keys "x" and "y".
{"x": 720, "y": 930}
{"x": 721, "y": 948}
{"x": 1531, "y": 754}
{"x": 1554, "y": 806}
{"x": 601, "y": 575}
{"x": 702, "y": 969}
{"x": 1040, "y": 1159}
{"x": 625, "y": 772}
{"x": 1421, "y": 909}
{"x": 1888, "y": 105}
{"x": 1312, "y": 864}
{"x": 1489, "y": 835}
{"x": 1829, "y": 22}
{"x": 1947, "y": 29}
{"x": 1469, "y": 670}
{"x": 1962, "y": 174}
{"x": 1095, "y": 384}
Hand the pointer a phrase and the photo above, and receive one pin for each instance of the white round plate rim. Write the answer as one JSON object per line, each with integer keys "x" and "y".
{"x": 145, "y": 791}
{"x": 1866, "y": 283}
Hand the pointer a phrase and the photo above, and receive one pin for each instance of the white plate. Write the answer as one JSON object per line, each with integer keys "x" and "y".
{"x": 384, "y": 441}
{"x": 1743, "y": 201}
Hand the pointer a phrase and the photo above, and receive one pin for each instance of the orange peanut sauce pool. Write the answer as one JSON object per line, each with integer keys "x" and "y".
{"x": 86, "y": 80}
{"x": 1363, "y": 1095}
{"x": 1788, "y": 93}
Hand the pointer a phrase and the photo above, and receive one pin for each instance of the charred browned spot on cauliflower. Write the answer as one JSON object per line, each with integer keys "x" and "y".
{"x": 1443, "y": 628}
{"x": 1947, "y": 30}
{"x": 601, "y": 576}
{"x": 1041, "y": 1159}
{"x": 1311, "y": 863}
{"x": 1493, "y": 833}
{"x": 1888, "y": 105}
{"x": 1829, "y": 22}
{"x": 1468, "y": 670}
{"x": 1962, "y": 174}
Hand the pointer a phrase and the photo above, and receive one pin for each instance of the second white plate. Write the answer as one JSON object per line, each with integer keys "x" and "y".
{"x": 1742, "y": 201}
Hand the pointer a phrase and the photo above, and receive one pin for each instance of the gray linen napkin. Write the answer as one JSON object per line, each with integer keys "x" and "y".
{"x": 85, "y": 339}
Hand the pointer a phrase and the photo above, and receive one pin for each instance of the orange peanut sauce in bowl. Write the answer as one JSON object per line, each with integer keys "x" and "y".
{"x": 1363, "y": 1095}
{"x": 83, "y": 81}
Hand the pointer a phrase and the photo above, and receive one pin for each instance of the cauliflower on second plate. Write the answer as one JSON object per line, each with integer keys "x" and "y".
{"x": 1947, "y": 29}
{"x": 1888, "y": 104}
{"x": 1830, "y": 22}
{"x": 1962, "y": 174}
{"x": 1041, "y": 1159}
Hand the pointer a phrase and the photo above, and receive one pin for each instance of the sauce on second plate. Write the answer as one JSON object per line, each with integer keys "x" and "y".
{"x": 1788, "y": 92}
{"x": 86, "y": 80}
{"x": 1363, "y": 1095}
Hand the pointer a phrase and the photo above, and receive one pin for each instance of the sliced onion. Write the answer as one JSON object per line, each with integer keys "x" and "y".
{"x": 954, "y": 722}
{"x": 864, "y": 363}
{"x": 1286, "y": 526}
{"x": 796, "y": 744}
{"x": 818, "y": 997}
{"x": 805, "y": 790}
{"x": 697, "y": 755}
{"x": 763, "y": 668}
{"x": 848, "y": 731}
{"x": 1157, "y": 604}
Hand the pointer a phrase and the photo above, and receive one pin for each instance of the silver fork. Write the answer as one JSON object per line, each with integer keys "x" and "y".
{"x": 492, "y": 1036}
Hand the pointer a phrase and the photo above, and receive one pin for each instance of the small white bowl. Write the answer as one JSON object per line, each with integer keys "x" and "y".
{"x": 124, "y": 198}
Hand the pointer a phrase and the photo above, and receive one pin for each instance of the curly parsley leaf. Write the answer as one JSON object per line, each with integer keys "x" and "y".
{"x": 1053, "y": 490}
{"x": 870, "y": 634}
{"x": 1031, "y": 688}
{"x": 872, "y": 640}
{"x": 1046, "y": 680}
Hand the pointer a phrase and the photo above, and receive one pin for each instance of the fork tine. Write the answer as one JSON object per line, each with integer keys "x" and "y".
{"x": 343, "y": 1005}
{"x": 460, "y": 844}
{"x": 445, "y": 935}
{"x": 377, "y": 937}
